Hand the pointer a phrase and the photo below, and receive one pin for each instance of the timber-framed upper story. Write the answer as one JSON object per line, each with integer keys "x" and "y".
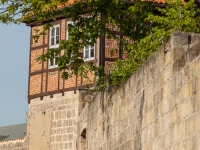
{"x": 44, "y": 77}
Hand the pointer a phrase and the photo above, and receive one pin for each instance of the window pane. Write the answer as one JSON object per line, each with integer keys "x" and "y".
{"x": 51, "y": 62}
{"x": 57, "y": 30}
{"x": 57, "y": 39}
{"x": 86, "y": 53}
{"x": 92, "y": 52}
{"x": 87, "y": 47}
{"x": 52, "y": 41}
{"x": 56, "y": 59}
{"x": 53, "y": 32}
{"x": 68, "y": 37}
{"x": 68, "y": 29}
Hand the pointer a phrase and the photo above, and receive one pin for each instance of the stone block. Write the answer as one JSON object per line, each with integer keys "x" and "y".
{"x": 166, "y": 122}
{"x": 130, "y": 105}
{"x": 181, "y": 93}
{"x": 144, "y": 121}
{"x": 178, "y": 52}
{"x": 154, "y": 71}
{"x": 58, "y": 131}
{"x": 179, "y": 81}
{"x": 88, "y": 98}
{"x": 166, "y": 90}
{"x": 123, "y": 99}
{"x": 59, "y": 123}
{"x": 160, "y": 63}
{"x": 139, "y": 85}
{"x": 174, "y": 115}
{"x": 149, "y": 77}
{"x": 195, "y": 38}
{"x": 194, "y": 51}
{"x": 59, "y": 115}
{"x": 151, "y": 132}
{"x": 125, "y": 122}
{"x": 65, "y": 137}
{"x": 63, "y": 114}
{"x": 144, "y": 136}
{"x": 192, "y": 69}
{"x": 190, "y": 88}
{"x": 181, "y": 62}
{"x": 61, "y": 107}
{"x": 198, "y": 65}
{"x": 174, "y": 67}
{"x": 69, "y": 114}
{"x": 181, "y": 130}
{"x": 149, "y": 103}
{"x": 148, "y": 90}
{"x": 198, "y": 83}
{"x": 198, "y": 123}
{"x": 70, "y": 129}
{"x": 191, "y": 143}
{"x": 193, "y": 124}
{"x": 164, "y": 106}
{"x": 191, "y": 105}
{"x": 167, "y": 58}
{"x": 179, "y": 39}
{"x": 59, "y": 138}
{"x": 148, "y": 118}
{"x": 161, "y": 79}
{"x": 70, "y": 137}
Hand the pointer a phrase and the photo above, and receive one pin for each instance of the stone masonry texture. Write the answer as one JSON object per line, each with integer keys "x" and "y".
{"x": 15, "y": 144}
{"x": 52, "y": 122}
{"x": 158, "y": 108}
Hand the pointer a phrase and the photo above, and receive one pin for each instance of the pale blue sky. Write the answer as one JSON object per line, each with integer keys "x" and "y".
{"x": 14, "y": 56}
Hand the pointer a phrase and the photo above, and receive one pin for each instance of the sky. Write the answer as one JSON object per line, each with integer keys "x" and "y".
{"x": 14, "y": 62}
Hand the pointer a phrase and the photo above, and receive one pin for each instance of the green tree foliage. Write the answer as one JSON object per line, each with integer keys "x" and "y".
{"x": 144, "y": 23}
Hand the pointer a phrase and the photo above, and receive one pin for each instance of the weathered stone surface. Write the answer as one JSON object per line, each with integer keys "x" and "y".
{"x": 159, "y": 112}
{"x": 157, "y": 108}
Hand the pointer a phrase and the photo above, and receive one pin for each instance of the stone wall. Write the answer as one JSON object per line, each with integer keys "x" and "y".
{"x": 16, "y": 144}
{"x": 157, "y": 108}
{"x": 52, "y": 122}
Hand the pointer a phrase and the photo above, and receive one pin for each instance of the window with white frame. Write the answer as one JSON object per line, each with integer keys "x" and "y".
{"x": 54, "y": 40}
{"x": 88, "y": 52}
{"x": 68, "y": 26}
{"x": 53, "y": 62}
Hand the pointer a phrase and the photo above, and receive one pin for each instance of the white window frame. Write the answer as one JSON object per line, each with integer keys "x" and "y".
{"x": 56, "y": 45}
{"x": 50, "y": 36}
{"x": 54, "y": 63}
{"x": 67, "y": 31}
{"x": 90, "y": 47}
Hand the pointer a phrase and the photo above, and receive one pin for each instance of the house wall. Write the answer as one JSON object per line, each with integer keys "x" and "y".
{"x": 43, "y": 80}
{"x": 15, "y": 144}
